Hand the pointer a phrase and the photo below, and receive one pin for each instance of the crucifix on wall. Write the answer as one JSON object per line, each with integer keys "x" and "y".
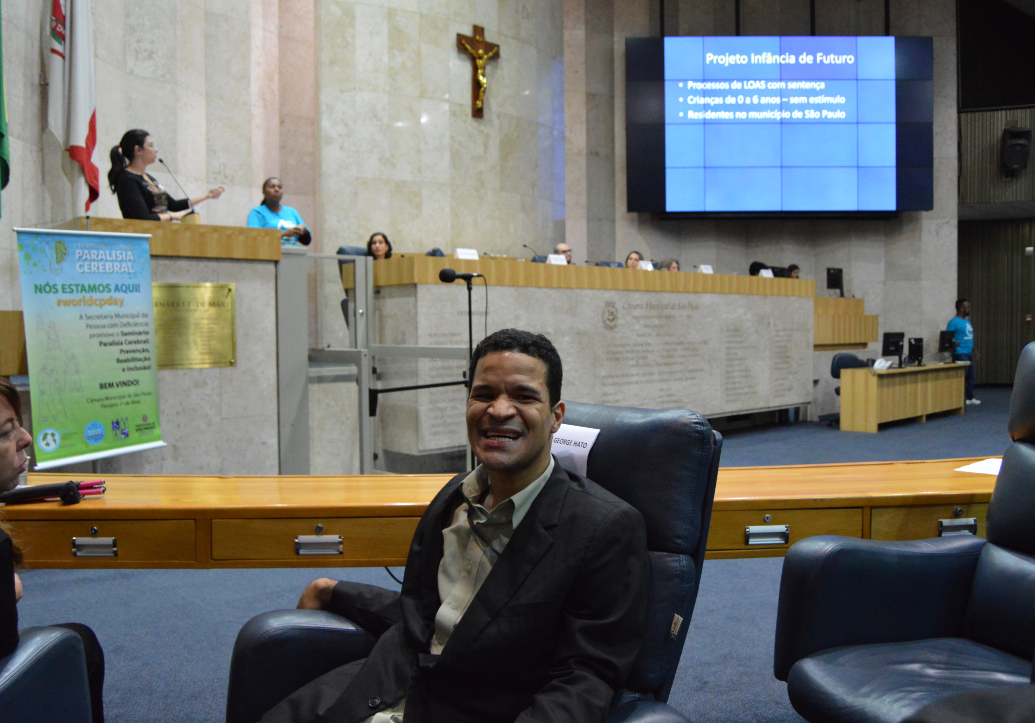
{"x": 481, "y": 52}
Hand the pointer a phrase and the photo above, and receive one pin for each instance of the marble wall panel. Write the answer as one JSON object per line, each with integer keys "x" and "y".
{"x": 333, "y": 428}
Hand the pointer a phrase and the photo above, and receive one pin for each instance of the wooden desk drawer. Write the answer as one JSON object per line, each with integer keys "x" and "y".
{"x": 727, "y": 528}
{"x": 363, "y": 538}
{"x": 138, "y": 540}
{"x": 920, "y": 523}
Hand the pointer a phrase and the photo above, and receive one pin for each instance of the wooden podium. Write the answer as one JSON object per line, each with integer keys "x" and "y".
{"x": 870, "y": 398}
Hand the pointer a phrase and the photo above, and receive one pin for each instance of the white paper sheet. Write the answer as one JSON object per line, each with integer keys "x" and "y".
{"x": 468, "y": 254}
{"x": 557, "y": 259}
{"x": 705, "y": 269}
{"x": 985, "y": 466}
{"x": 571, "y": 446}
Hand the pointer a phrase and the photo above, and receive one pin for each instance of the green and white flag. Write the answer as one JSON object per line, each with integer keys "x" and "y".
{"x": 90, "y": 337}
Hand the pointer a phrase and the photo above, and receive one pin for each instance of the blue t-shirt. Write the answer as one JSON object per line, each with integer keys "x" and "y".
{"x": 262, "y": 217}
{"x": 963, "y": 332}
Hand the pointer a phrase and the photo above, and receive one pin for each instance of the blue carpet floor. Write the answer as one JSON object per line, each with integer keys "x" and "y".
{"x": 167, "y": 634}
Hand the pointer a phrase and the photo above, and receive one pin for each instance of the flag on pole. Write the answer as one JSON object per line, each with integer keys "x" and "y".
{"x": 72, "y": 109}
{"x": 5, "y": 143}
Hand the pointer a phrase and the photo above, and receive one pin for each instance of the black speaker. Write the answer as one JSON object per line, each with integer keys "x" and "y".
{"x": 1014, "y": 150}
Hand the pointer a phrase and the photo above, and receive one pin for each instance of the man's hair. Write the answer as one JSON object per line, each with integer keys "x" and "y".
{"x": 536, "y": 346}
{"x": 8, "y": 392}
{"x": 557, "y": 247}
{"x": 959, "y": 304}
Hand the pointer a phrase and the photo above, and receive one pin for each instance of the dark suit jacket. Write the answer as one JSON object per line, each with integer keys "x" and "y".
{"x": 551, "y": 634}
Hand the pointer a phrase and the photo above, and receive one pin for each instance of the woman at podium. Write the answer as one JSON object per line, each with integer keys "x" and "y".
{"x": 140, "y": 195}
{"x": 379, "y": 246}
{"x": 270, "y": 213}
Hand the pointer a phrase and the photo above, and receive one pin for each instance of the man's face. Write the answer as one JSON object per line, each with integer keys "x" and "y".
{"x": 565, "y": 251}
{"x": 14, "y": 446}
{"x": 965, "y": 309}
{"x": 509, "y": 417}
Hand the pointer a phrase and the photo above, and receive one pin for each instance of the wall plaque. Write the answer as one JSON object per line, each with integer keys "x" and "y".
{"x": 195, "y": 325}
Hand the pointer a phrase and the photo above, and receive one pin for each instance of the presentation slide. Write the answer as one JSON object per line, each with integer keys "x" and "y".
{"x": 780, "y": 124}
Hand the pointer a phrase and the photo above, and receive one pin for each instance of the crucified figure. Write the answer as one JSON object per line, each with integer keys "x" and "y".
{"x": 480, "y": 59}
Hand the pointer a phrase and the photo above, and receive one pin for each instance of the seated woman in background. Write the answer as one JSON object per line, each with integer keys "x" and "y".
{"x": 140, "y": 195}
{"x": 670, "y": 265}
{"x": 632, "y": 261}
{"x": 270, "y": 214}
{"x": 379, "y": 246}
{"x": 793, "y": 272}
{"x": 14, "y": 460}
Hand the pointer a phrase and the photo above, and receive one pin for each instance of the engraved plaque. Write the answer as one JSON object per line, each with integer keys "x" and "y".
{"x": 195, "y": 325}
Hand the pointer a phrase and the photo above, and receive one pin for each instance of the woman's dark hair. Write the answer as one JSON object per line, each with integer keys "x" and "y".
{"x": 264, "y": 184}
{"x": 8, "y": 392}
{"x": 122, "y": 154}
{"x": 792, "y": 268}
{"x": 370, "y": 242}
{"x": 755, "y": 267}
{"x": 536, "y": 346}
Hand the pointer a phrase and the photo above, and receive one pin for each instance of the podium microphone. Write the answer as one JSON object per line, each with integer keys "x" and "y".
{"x": 178, "y": 185}
{"x": 448, "y": 276}
{"x": 534, "y": 252}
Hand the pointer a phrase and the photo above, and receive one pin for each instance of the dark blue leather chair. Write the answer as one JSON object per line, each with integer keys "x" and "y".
{"x": 44, "y": 679}
{"x": 871, "y": 632}
{"x": 664, "y": 463}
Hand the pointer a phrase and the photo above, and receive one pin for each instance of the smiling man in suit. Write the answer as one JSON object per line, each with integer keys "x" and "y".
{"x": 525, "y": 591}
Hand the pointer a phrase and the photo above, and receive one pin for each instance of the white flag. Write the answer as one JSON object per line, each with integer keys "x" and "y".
{"x": 72, "y": 110}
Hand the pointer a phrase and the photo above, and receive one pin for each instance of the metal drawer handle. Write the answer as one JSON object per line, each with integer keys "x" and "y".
{"x": 962, "y": 526}
{"x": 95, "y": 547}
{"x": 319, "y": 545}
{"x": 767, "y": 534}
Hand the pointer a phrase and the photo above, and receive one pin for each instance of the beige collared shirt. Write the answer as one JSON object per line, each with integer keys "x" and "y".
{"x": 467, "y": 560}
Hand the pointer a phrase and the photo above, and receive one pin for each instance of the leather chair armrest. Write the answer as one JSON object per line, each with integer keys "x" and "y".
{"x": 632, "y": 707}
{"x": 278, "y": 652}
{"x": 44, "y": 679}
{"x": 846, "y": 591}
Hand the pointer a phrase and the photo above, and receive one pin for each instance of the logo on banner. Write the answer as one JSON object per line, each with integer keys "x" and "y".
{"x": 94, "y": 433}
{"x": 48, "y": 440}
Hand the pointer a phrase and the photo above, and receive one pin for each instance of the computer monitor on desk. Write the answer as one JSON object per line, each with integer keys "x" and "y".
{"x": 945, "y": 342}
{"x": 916, "y": 350}
{"x": 836, "y": 280}
{"x": 893, "y": 341}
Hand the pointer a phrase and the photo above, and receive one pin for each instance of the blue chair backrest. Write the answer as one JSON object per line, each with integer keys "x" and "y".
{"x": 435, "y": 252}
{"x": 999, "y": 612}
{"x": 664, "y": 463}
{"x": 352, "y": 251}
{"x": 845, "y": 361}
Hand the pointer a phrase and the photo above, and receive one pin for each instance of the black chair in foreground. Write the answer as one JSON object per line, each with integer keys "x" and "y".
{"x": 871, "y": 631}
{"x": 44, "y": 679}
{"x": 664, "y": 463}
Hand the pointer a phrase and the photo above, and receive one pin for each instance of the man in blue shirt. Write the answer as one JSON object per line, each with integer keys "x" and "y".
{"x": 963, "y": 340}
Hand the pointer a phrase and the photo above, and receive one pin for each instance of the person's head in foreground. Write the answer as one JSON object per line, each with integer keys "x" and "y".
{"x": 514, "y": 406}
{"x": 14, "y": 440}
{"x": 379, "y": 246}
{"x": 564, "y": 250}
{"x": 793, "y": 272}
{"x": 632, "y": 261}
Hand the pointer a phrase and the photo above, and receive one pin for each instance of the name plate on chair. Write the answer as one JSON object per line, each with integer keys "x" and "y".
{"x": 571, "y": 446}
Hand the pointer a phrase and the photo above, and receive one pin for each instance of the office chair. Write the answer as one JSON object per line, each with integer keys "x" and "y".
{"x": 871, "y": 632}
{"x": 44, "y": 679}
{"x": 278, "y": 652}
{"x": 844, "y": 361}
{"x": 538, "y": 259}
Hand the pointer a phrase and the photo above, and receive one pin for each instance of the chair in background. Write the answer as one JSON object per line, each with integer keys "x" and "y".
{"x": 844, "y": 361}
{"x": 44, "y": 679}
{"x": 664, "y": 463}
{"x": 538, "y": 259}
{"x": 871, "y": 631}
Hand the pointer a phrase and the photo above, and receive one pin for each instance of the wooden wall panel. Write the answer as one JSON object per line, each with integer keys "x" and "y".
{"x": 981, "y": 178}
{"x": 193, "y": 240}
{"x": 998, "y": 277}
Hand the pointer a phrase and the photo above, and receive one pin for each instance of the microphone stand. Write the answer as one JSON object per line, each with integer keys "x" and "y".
{"x": 182, "y": 190}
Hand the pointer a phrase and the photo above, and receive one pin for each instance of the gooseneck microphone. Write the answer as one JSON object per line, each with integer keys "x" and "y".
{"x": 184, "y": 192}
{"x": 448, "y": 276}
{"x": 534, "y": 252}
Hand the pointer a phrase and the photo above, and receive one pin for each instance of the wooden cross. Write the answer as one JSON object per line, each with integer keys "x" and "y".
{"x": 481, "y": 52}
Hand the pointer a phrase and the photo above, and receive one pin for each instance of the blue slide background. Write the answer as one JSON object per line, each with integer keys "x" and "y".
{"x": 764, "y": 146}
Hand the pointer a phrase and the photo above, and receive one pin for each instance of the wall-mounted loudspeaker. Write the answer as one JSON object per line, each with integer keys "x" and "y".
{"x": 1014, "y": 150}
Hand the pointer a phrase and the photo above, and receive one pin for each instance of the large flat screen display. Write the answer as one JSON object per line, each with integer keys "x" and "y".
{"x": 779, "y": 124}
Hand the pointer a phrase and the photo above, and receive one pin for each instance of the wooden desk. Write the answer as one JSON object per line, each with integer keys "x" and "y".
{"x": 206, "y": 522}
{"x": 870, "y": 398}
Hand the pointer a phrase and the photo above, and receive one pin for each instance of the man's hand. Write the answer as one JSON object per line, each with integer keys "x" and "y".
{"x": 17, "y": 588}
{"x": 294, "y": 231}
{"x": 317, "y": 595}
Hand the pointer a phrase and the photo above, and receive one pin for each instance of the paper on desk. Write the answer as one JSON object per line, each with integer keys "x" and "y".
{"x": 571, "y": 446}
{"x": 985, "y": 466}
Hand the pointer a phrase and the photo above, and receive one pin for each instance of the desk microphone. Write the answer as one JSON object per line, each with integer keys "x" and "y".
{"x": 448, "y": 276}
{"x": 184, "y": 192}
{"x": 534, "y": 252}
